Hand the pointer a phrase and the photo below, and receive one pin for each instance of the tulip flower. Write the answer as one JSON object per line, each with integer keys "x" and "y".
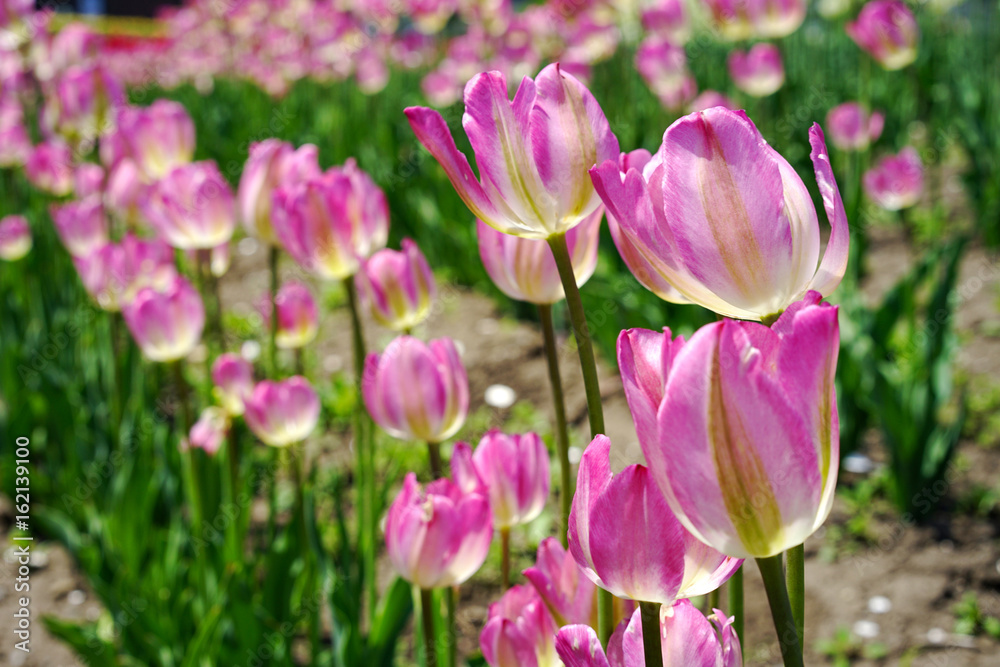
{"x": 81, "y": 224}
{"x": 85, "y": 96}
{"x": 532, "y": 152}
{"x": 896, "y": 181}
{"x": 282, "y": 413}
{"x": 758, "y": 72}
{"x": 737, "y": 20}
{"x": 525, "y": 270}
{"x": 166, "y": 324}
{"x": 158, "y": 138}
{"x": 519, "y": 631}
{"x": 88, "y": 179}
{"x": 397, "y": 286}
{"x": 514, "y": 469}
{"x": 663, "y": 67}
{"x": 430, "y": 16}
{"x": 50, "y": 168}
{"x": 232, "y": 376}
{"x": 437, "y": 536}
{"x": 437, "y": 410}
{"x": 330, "y": 223}
{"x": 746, "y": 441}
{"x": 566, "y": 590}
{"x": 852, "y": 128}
{"x": 15, "y": 237}
{"x": 271, "y": 164}
{"x": 625, "y": 538}
{"x": 209, "y": 432}
{"x": 192, "y": 207}
{"x": 687, "y": 639}
{"x": 888, "y": 31}
{"x": 125, "y": 190}
{"x": 708, "y": 99}
{"x": 725, "y": 220}
{"x": 115, "y": 272}
{"x": 15, "y": 144}
{"x": 298, "y": 320}
{"x": 668, "y": 19}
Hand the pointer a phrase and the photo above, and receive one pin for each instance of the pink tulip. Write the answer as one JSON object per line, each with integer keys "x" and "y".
{"x": 687, "y": 639}
{"x": 210, "y": 431}
{"x": 81, "y": 224}
{"x": 519, "y": 631}
{"x": 271, "y": 164}
{"x": 525, "y": 270}
{"x": 282, "y": 413}
{"x": 758, "y": 72}
{"x": 741, "y": 19}
{"x": 559, "y": 581}
{"x": 232, "y": 376}
{"x": 437, "y": 536}
{"x": 667, "y": 19}
{"x": 514, "y": 472}
{"x": 115, "y": 272}
{"x": 896, "y": 181}
{"x": 430, "y": 16}
{"x": 192, "y": 207}
{"x": 532, "y": 153}
{"x": 159, "y": 138}
{"x": 852, "y": 128}
{"x": 627, "y": 541}
{"x": 86, "y": 97}
{"x": 15, "y": 144}
{"x": 125, "y": 189}
{"x": 166, "y": 324}
{"x": 888, "y": 31}
{"x": 746, "y": 439}
{"x": 397, "y": 286}
{"x": 15, "y": 237}
{"x": 437, "y": 410}
{"x": 663, "y": 67}
{"x": 708, "y": 99}
{"x": 298, "y": 318}
{"x": 50, "y": 168}
{"x": 330, "y": 223}
{"x": 88, "y": 179}
{"x": 723, "y": 218}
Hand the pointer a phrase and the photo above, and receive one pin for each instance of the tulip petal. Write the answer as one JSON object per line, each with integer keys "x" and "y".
{"x": 687, "y": 637}
{"x": 834, "y": 263}
{"x": 642, "y": 375}
{"x": 578, "y": 646}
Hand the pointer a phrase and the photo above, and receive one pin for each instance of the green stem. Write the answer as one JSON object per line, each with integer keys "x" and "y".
{"x": 795, "y": 578}
{"x": 297, "y": 461}
{"x": 781, "y": 610}
{"x": 437, "y": 464}
{"x": 183, "y": 396}
{"x": 272, "y": 345}
{"x": 605, "y": 615}
{"x": 735, "y": 603}
{"x": 559, "y": 407}
{"x": 427, "y": 625}
{"x": 449, "y": 596}
{"x": 651, "y": 647}
{"x": 300, "y": 367}
{"x": 504, "y": 558}
{"x": 713, "y": 600}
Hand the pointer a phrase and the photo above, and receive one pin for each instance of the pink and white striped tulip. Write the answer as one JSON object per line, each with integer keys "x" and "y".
{"x": 519, "y": 631}
{"x": 888, "y": 31}
{"x": 625, "y": 538}
{"x": 568, "y": 593}
{"x": 125, "y": 190}
{"x": 525, "y": 270}
{"x": 745, "y": 445}
{"x": 687, "y": 639}
{"x": 115, "y": 272}
{"x": 15, "y": 237}
{"x": 158, "y": 138}
{"x": 896, "y": 181}
{"x": 852, "y": 128}
{"x": 192, "y": 207}
{"x": 50, "y": 168}
{"x": 437, "y": 410}
{"x": 85, "y": 101}
{"x": 282, "y": 413}
{"x": 332, "y": 222}
{"x": 668, "y": 19}
{"x": 663, "y": 66}
{"x": 514, "y": 471}
{"x": 82, "y": 225}
{"x": 298, "y": 318}
{"x": 232, "y": 376}
{"x": 167, "y": 323}
{"x": 209, "y": 432}
{"x": 271, "y": 164}
{"x": 437, "y": 536}
{"x": 725, "y": 220}
{"x": 397, "y": 287}
{"x": 758, "y": 72}
{"x": 532, "y": 152}
{"x": 739, "y": 20}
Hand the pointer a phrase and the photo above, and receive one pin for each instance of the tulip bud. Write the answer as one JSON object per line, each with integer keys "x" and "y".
{"x": 298, "y": 320}
{"x": 566, "y": 590}
{"x": 532, "y": 152}
{"x": 852, "y": 128}
{"x": 397, "y": 287}
{"x": 81, "y": 224}
{"x": 514, "y": 469}
{"x": 721, "y": 217}
{"x": 15, "y": 237}
{"x": 209, "y": 432}
{"x": 192, "y": 207}
{"x": 282, "y": 413}
{"x": 270, "y": 165}
{"x": 125, "y": 190}
{"x": 437, "y": 536}
{"x": 888, "y": 31}
{"x": 663, "y": 66}
{"x": 758, "y": 72}
{"x": 232, "y": 376}
{"x": 433, "y": 414}
{"x": 166, "y": 324}
{"x": 158, "y": 138}
{"x": 519, "y": 631}
{"x": 896, "y": 181}
{"x": 50, "y": 168}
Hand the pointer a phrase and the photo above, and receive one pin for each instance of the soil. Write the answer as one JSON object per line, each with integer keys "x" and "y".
{"x": 922, "y": 570}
